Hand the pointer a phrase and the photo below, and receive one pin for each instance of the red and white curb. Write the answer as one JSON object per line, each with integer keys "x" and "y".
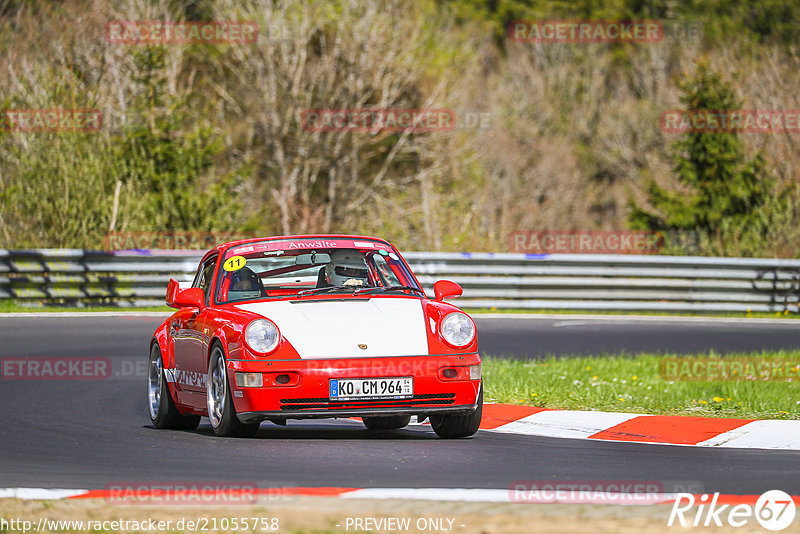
{"x": 40, "y": 493}
{"x": 495, "y": 495}
{"x": 778, "y": 434}
{"x": 639, "y": 428}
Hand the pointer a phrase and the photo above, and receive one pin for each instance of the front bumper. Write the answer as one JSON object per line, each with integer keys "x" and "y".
{"x": 308, "y": 397}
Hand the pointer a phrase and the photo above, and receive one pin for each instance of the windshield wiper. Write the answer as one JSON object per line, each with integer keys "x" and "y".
{"x": 324, "y": 290}
{"x": 391, "y": 288}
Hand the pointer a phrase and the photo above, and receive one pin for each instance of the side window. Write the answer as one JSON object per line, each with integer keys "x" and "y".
{"x": 204, "y": 274}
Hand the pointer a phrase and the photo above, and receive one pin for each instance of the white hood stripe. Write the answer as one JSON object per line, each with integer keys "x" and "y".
{"x": 339, "y": 328}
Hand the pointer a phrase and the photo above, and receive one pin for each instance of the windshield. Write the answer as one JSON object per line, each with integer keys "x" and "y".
{"x": 298, "y": 267}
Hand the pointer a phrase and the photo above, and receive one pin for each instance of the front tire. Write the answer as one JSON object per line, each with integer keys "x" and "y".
{"x": 386, "y": 423}
{"x": 458, "y": 426}
{"x": 221, "y": 411}
{"x": 163, "y": 412}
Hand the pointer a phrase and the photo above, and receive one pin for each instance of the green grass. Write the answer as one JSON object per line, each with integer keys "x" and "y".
{"x": 743, "y": 315}
{"x": 625, "y": 383}
{"x": 7, "y": 306}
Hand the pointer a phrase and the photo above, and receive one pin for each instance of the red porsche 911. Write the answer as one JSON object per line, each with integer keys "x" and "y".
{"x": 299, "y": 327}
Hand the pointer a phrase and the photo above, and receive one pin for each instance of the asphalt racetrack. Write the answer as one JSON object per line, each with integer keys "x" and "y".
{"x": 93, "y": 433}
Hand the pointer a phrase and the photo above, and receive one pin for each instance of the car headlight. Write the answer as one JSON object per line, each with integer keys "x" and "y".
{"x": 262, "y": 335}
{"x": 458, "y": 329}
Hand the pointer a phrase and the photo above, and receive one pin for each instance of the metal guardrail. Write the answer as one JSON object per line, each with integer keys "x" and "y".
{"x": 504, "y": 280}
{"x": 82, "y": 277}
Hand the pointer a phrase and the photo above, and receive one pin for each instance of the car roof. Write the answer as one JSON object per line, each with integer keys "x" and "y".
{"x": 224, "y": 246}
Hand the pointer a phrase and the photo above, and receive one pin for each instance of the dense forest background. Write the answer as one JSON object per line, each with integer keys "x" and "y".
{"x": 548, "y": 136}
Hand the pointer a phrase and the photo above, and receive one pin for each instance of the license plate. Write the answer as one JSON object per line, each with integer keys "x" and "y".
{"x": 371, "y": 388}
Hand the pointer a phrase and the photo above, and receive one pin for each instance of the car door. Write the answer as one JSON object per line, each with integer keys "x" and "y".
{"x": 190, "y": 343}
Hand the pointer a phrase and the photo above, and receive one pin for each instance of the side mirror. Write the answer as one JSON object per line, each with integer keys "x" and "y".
{"x": 190, "y": 298}
{"x": 173, "y": 288}
{"x": 446, "y": 289}
{"x": 186, "y": 298}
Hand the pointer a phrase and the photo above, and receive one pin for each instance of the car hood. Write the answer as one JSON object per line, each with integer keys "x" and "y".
{"x": 339, "y": 328}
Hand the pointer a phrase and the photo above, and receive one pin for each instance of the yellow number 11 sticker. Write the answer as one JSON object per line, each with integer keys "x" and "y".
{"x": 234, "y": 263}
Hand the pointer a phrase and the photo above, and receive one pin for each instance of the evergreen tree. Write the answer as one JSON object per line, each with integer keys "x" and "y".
{"x": 725, "y": 188}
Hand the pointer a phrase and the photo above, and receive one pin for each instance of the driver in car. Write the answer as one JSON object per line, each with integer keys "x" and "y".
{"x": 347, "y": 268}
{"x": 245, "y": 280}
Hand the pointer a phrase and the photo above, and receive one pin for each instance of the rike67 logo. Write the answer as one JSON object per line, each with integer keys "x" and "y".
{"x": 774, "y": 510}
